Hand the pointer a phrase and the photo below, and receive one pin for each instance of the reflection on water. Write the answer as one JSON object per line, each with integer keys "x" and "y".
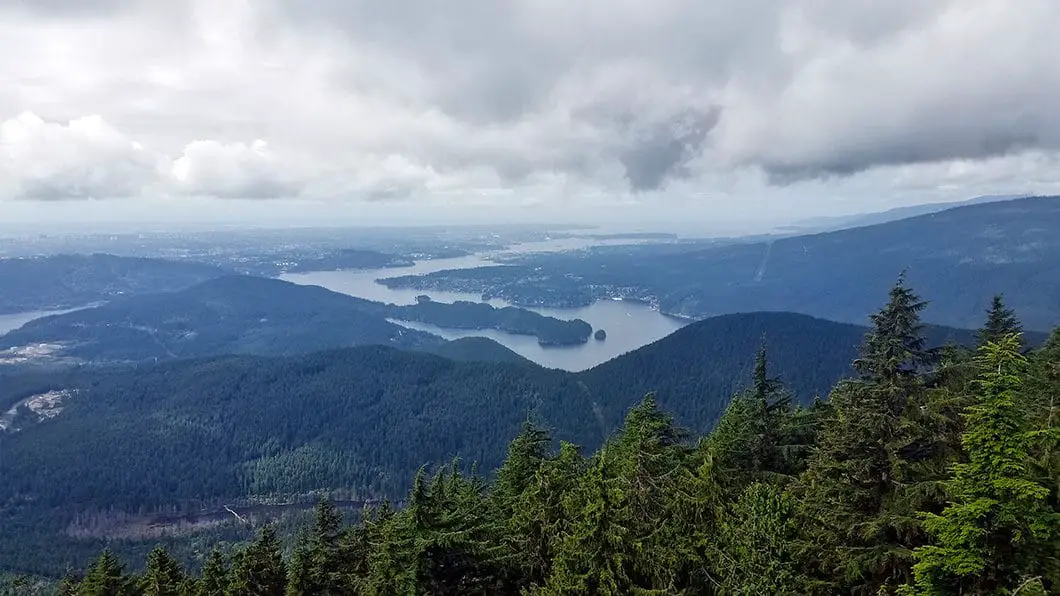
{"x": 629, "y": 325}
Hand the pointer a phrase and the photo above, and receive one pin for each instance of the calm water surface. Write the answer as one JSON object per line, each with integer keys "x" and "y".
{"x": 629, "y": 325}
{"x": 14, "y": 321}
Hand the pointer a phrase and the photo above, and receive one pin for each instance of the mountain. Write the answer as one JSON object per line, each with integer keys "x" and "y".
{"x": 694, "y": 370}
{"x": 70, "y": 281}
{"x": 268, "y": 317}
{"x": 830, "y": 223}
{"x": 95, "y": 453}
{"x": 957, "y": 258}
{"x": 226, "y": 315}
{"x": 477, "y": 349}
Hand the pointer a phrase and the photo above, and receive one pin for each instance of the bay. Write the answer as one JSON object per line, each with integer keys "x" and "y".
{"x": 629, "y": 325}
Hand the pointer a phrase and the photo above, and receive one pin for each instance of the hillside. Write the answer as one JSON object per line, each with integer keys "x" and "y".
{"x": 958, "y": 258}
{"x": 70, "y": 281}
{"x": 252, "y": 315}
{"x": 226, "y": 315}
{"x": 196, "y": 434}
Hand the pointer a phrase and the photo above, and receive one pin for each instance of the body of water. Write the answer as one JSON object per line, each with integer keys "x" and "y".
{"x": 629, "y": 325}
{"x": 14, "y": 321}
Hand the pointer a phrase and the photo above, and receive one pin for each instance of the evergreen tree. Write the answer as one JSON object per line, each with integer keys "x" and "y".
{"x": 1001, "y": 322}
{"x": 751, "y": 440}
{"x": 213, "y": 580}
{"x": 616, "y": 512}
{"x": 106, "y": 577}
{"x": 999, "y": 530}
{"x": 1043, "y": 396}
{"x": 526, "y": 453}
{"x": 67, "y": 586}
{"x": 259, "y": 570}
{"x": 163, "y": 575}
{"x": 860, "y": 494}
{"x": 538, "y": 519}
{"x": 893, "y": 352}
{"x": 755, "y": 544}
{"x": 315, "y": 565}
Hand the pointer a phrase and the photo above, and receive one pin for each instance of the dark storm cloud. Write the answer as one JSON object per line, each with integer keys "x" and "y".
{"x": 493, "y": 62}
{"x": 664, "y": 152}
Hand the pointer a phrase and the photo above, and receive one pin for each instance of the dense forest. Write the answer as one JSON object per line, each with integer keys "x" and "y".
{"x": 927, "y": 471}
{"x": 134, "y": 447}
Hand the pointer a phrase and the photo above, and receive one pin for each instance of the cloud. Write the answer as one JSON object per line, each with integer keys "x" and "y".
{"x": 84, "y": 158}
{"x": 235, "y": 170}
{"x": 543, "y": 100}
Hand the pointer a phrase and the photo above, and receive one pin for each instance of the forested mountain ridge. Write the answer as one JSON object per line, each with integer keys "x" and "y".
{"x": 926, "y": 473}
{"x": 225, "y": 315}
{"x": 959, "y": 257}
{"x": 253, "y": 315}
{"x": 71, "y": 281}
{"x": 694, "y": 370}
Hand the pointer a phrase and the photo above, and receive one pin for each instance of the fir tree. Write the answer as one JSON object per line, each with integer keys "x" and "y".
{"x": 750, "y": 442}
{"x": 106, "y": 578}
{"x": 315, "y": 565}
{"x": 538, "y": 519}
{"x": 259, "y": 570}
{"x": 859, "y": 492}
{"x": 163, "y": 575}
{"x": 893, "y": 352}
{"x": 755, "y": 544}
{"x": 999, "y": 530}
{"x": 1001, "y": 322}
{"x": 213, "y": 580}
{"x": 526, "y": 453}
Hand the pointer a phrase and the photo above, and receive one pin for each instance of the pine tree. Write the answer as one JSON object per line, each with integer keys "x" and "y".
{"x": 1043, "y": 397}
{"x": 163, "y": 575}
{"x": 999, "y": 530}
{"x": 213, "y": 580}
{"x": 526, "y": 453}
{"x": 616, "y": 512}
{"x": 67, "y": 586}
{"x": 1001, "y": 322}
{"x": 259, "y": 570}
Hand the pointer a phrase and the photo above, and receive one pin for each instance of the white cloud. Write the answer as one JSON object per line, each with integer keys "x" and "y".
{"x": 235, "y": 170}
{"x": 84, "y": 158}
{"x": 762, "y": 106}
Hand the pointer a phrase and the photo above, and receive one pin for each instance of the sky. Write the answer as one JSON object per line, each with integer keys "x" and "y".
{"x": 618, "y": 111}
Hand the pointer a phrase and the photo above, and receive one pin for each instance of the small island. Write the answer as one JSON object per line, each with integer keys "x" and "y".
{"x": 600, "y": 335}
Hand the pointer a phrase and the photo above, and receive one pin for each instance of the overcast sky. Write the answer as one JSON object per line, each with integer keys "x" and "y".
{"x": 639, "y": 110}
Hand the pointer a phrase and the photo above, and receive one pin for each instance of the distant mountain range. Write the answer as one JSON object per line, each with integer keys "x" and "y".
{"x": 833, "y": 223}
{"x": 957, "y": 259}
